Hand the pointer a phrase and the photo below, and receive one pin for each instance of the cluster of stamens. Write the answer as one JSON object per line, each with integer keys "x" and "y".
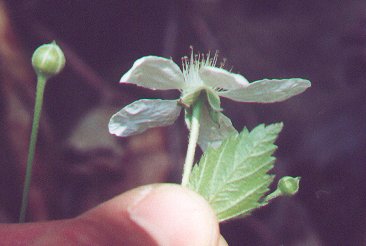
{"x": 191, "y": 65}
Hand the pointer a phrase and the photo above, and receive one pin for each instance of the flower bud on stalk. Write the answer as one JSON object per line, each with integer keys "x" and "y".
{"x": 48, "y": 60}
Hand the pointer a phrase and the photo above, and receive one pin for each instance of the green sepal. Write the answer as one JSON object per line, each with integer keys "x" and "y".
{"x": 213, "y": 105}
{"x": 214, "y": 115}
{"x": 190, "y": 98}
{"x": 211, "y": 133}
{"x": 213, "y": 100}
{"x": 188, "y": 117}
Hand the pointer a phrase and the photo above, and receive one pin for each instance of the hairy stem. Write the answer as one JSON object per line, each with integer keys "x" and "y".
{"x": 192, "y": 143}
{"x": 41, "y": 83}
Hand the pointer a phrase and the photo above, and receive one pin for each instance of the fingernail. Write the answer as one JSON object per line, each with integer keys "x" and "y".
{"x": 171, "y": 215}
{"x": 143, "y": 217}
{"x": 143, "y": 192}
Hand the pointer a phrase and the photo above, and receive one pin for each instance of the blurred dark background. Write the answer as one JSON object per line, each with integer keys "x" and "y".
{"x": 79, "y": 165}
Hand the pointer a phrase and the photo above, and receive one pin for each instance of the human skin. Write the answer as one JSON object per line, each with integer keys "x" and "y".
{"x": 159, "y": 214}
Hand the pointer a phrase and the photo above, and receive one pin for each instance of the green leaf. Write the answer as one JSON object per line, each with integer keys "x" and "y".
{"x": 234, "y": 177}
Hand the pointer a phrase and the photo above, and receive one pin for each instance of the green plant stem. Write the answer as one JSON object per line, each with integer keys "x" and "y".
{"x": 192, "y": 143}
{"x": 272, "y": 196}
{"x": 41, "y": 83}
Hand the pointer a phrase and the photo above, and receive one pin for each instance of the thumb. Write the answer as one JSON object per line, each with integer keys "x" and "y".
{"x": 161, "y": 214}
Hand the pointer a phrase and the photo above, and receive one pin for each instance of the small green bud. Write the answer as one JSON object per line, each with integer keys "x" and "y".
{"x": 48, "y": 60}
{"x": 288, "y": 185}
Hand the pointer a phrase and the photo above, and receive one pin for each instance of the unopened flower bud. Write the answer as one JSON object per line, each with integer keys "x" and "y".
{"x": 288, "y": 185}
{"x": 48, "y": 60}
